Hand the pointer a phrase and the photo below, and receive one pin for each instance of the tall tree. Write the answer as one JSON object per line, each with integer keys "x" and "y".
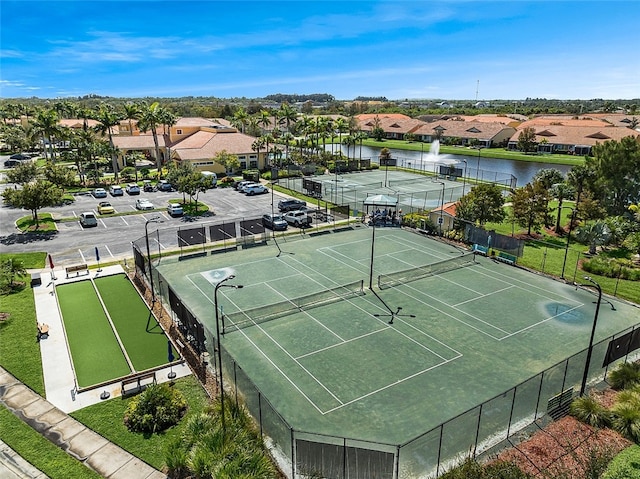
{"x": 527, "y": 140}
{"x": 530, "y": 206}
{"x": 131, "y": 112}
{"x": 45, "y": 124}
{"x": 617, "y": 165}
{"x": 484, "y": 203}
{"x": 151, "y": 119}
{"x": 34, "y": 196}
{"x": 107, "y": 119}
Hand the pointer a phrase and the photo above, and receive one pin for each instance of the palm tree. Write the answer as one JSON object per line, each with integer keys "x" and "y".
{"x": 107, "y": 118}
{"x": 150, "y": 119}
{"x": 257, "y": 144}
{"x": 46, "y": 126}
{"x": 132, "y": 112}
{"x": 240, "y": 119}
{"x": 341, "y": 125}
{"x": 595, "y": 234}
{"x": 360, "y": 136}
{"x": 288, "y": 115}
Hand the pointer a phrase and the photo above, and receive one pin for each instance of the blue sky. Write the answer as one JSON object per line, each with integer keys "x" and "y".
{"x": 396, "y": 49}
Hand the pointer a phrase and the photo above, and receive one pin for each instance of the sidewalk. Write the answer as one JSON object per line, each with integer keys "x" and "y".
{"x": 77, "y": 440}
{"x": 12, "y": 466}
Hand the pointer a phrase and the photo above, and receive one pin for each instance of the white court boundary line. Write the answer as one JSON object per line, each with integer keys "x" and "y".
{"x": 341, "y": 404}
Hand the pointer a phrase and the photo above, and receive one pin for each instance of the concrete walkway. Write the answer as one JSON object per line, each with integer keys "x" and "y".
{"x": 49, "y": 416}
{"x": 104, "y": 457}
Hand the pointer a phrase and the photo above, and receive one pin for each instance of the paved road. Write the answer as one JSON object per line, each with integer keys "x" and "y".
{"x": 113, "y": 235}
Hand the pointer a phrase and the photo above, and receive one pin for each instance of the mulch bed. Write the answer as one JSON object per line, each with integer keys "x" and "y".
{"x": 563, "y": 449}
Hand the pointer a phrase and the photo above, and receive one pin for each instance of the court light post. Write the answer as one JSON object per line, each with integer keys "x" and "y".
{"x": 566, "y": 249}
{"x": 155, "y": 219}
{"x": 464, "y": 177}
{"x": 479, "y": 148}
{"x": 441, "y": 219}
{"x": 215, "y": 304}
{"x": 593, "y": 332}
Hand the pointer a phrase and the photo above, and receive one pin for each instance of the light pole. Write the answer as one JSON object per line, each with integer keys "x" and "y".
{"x": 155, "y": 219}
{"x": 566, "y": 249}
{"x": 478, "y": 170}
{"x": 464, "y": 177}
{"x": 215, "y": 304}
{"x": 593, "y": 332}
{"x": 441, "y": 219}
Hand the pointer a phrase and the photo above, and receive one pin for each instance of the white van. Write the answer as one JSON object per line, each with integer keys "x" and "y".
{"x": 212, "y": 176}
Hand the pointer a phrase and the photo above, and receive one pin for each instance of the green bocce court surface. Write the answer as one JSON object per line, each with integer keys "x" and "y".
{"x": 95, "y": 350}
{"x": 337, "y": 369}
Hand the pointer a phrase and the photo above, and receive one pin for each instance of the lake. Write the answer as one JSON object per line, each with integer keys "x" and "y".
{"x": 490, "y": 168}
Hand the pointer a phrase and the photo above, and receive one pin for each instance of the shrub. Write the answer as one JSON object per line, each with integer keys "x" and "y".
{"x": 589, "y": 411}
{"x": 612, "y": 268}
{"x": 625, "y": 376}
{"x": 157, "y": 408}
{"x": 626, "y": 420}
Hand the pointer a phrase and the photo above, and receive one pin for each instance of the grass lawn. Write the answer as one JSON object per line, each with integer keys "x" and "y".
{"x": 39, "y": 451}
{"x": 29, "y": 260}
{"x": 96, "y": 354}
{"x": 106, "y": 418}
{"x": 46, "y": 224}
{"x": 19, "y": 350}
{"x": 142, "y": 336}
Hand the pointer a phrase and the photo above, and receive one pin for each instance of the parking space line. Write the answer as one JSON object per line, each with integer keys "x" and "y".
{"x": 109, "y": 251}
{"x": 82, "y": 256}
{"x": 125, "y": 221}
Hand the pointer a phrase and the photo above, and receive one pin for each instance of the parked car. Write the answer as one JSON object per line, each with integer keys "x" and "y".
{"x": 12, "y": 163}
{"x": 251, "y": 190}
{"x": 291, "y": 205}
{"x": 147, "y": 187}
{"x": 241, "y": 184}
{"x": 133, "y": 189}
{"x": 20, "y": 156}
{"x": 144, "y": 204}
{"x": 105, "y": 208}
{"x": 175, "y": 209}
{"x": 99, "y": 193}
{"x": 212, "y": 177}
{"x": 88, "y": 219}
{"x": 164, "y": 185}
{"x": 298, "y": 218}
{"x": 275, "y": 222}
{"x": 116, "y": 190}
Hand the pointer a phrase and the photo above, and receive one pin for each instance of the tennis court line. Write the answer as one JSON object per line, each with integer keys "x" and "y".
{"x": 480, "y": 295}
{"x": 344, "y": 341}
{"x": 458, "y": 355}
{"x": 306, "y": 312}
{"x": 383, "y": 388}
{"x": 543, "y": 321}
{"x": 429, "y": 305}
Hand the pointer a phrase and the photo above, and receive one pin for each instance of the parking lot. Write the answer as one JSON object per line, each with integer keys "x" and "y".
{"x": 114, "y": 234}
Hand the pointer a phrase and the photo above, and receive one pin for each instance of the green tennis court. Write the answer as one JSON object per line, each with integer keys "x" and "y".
{"x": 463, "y": 332}
{"x": 95, "y": 346}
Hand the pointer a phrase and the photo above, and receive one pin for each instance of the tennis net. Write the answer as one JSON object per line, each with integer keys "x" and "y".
{"x": 421, "y": 179}
{"x": 252, "y": 317}
{"x": 413, "y": 274}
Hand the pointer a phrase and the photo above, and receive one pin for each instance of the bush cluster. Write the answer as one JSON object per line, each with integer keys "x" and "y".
{"x": 612, "y": 268}
{"x": 157, "y": 408}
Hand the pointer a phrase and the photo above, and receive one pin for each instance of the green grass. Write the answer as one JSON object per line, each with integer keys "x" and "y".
{"x": 96, "y": 354}
{"x": 46, "y": 224}
{"x": 625, "y": 465}
{"x": 106, "y": 418}
{"x": 39, "y": 451}
{"x": 29, "y": 260}
{"x": 131, "y": 318}
{"x": 19, "y": 350}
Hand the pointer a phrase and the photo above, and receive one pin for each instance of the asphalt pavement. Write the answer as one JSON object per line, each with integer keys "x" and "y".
{"x": 73, "y": 244}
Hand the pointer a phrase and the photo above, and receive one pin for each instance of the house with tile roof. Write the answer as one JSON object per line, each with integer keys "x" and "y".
{"x": 448, "y": 214}
{"x": 465, "y": 133}
{"x": 193, "y": 139}
{"x": 572, "y": 139}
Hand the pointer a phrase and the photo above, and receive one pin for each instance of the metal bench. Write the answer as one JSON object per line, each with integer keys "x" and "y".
{"x": 479, "y": 249}
{"x": 136, "y": 383}
{"x": 77, "y": 269}
{"x": 506, "y": 258}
